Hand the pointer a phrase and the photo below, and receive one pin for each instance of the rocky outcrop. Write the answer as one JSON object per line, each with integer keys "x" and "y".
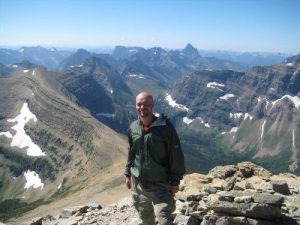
{"x": 240, "y": 194}
{"x": 235, "y": 195}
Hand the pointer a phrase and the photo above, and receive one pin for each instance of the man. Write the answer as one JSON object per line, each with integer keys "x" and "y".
{"x": 155, "y": 163}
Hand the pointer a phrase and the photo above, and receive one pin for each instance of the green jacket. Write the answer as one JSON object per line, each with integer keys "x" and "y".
{"x": 155, "y": 155}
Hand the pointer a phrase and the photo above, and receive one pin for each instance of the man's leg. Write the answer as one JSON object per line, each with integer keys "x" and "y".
{"x": 164, "y": 204}
{"x": 142, "y": 204}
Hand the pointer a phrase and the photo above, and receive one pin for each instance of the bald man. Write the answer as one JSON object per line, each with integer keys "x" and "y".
{"x": 155, "y": 163}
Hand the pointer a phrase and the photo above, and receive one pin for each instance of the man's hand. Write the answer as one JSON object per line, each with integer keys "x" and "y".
{"x": 174, "y": 189}
{"x": 128, "y": 182}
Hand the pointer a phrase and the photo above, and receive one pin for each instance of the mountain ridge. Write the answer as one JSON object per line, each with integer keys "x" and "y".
{"x": 75, "y": 145}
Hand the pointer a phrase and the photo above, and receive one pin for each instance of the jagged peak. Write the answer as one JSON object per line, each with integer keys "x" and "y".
{"x": 190, "y": 50}
{"x": 82, "y": 51}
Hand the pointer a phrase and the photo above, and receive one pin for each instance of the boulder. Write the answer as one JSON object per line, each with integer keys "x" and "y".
{"x": 266, "y": 198}
{"x": 249, "y": 169}
{"x": 280, "y": 186}
{"x": 185, "y": 220}
{"x": 223, "y": 172}
{"x": 68, "y": 212}
{"x": 252, "y": 210}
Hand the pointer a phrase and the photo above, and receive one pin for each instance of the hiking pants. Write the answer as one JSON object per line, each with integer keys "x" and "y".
{"x": 153, "y": 200}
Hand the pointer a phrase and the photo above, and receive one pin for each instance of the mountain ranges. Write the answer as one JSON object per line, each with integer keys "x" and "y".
{"x": 76, "y": 109}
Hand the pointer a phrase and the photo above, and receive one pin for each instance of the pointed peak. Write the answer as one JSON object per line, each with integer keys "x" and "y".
{"x": 190, "y": 50}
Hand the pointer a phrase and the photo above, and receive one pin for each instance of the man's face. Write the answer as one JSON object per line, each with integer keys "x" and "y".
{"x": 144, "y": 105}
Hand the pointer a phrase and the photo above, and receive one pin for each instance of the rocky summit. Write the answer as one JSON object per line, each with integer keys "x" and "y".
{"x": 228, "y": 195}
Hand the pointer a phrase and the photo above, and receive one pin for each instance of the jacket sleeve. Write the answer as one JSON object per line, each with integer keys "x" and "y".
{"x": 131, "y": 156}
{"x": 176, "y": 158}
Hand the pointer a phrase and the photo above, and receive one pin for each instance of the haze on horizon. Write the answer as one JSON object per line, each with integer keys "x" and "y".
{"x": 249, "y": 25}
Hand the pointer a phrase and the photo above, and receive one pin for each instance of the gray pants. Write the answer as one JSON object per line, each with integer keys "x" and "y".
{"x": 153, "y": 200}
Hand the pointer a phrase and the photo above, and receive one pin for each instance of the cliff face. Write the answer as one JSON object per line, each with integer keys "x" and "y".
{"x": 49, "y": 147}
{"x": 234, "y": 194}
{"x": 254, "y": 113}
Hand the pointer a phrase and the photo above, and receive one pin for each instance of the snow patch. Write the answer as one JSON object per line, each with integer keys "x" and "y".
{"x": 33, "y": 72}
{"x": 248, "y": 115}
{"x": 187, "y": 120}
{"x": 59, "y": 186}
{"x": 6, "y": 134}
{"x": 25, "y": 71}
{"x": 15, "y": 66}
{"x": 294, "y": 138}
{"x": 259, "y": 99}
{"x": 107, "y": 115}
{"x": 133, "y": 50}
{"x": 81, "y": 65}
{"x": 137, "y": 76}
{"x": 294, "y": 99}
{"x": 215, "y": 85}
{"x": 267, "y": 104}
{"x": 290, "y": 64}
{"x": 263, "y": 129}
{"x": 236, "y": 116}
{"x": 227, "y": 96}
{"x": 33, "y": 179}
{"x": 111, "y": 91}
{"x": 234, "y": 130}
{"x": 21, "y": 139}
{"x": 174, "y": 104}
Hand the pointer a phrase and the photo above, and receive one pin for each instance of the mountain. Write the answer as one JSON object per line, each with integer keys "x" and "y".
{"x": 140, "y": 77}
{"x": 102, "y": 91}
{"x": 122, "y": 52}
{"x": 49, "y": 146}
{"x": 190, "y": 50}
{"x": 254, "y": 113}
{"x": 5, "y": 70}
{"x": 81, "y": 55}
{"x": 293, "y": 59}
{"x": 174, "y": 63}
{"x": 248, "y": 59}
{"x": 49, "y": 58}
{"x": 76, "y": 59}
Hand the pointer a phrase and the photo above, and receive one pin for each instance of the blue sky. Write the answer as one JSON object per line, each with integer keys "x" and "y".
{"x": 238, "y": 25}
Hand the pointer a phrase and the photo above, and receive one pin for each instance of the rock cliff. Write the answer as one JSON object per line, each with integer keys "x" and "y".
{"x": 233, "y": 194}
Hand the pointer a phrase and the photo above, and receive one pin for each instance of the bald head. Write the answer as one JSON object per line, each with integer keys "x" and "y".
{"x": 145, "y": 95}
{"x": 144, "y": 104}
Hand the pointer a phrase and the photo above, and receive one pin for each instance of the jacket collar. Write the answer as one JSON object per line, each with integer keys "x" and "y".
{"x": 160, "y": 121}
